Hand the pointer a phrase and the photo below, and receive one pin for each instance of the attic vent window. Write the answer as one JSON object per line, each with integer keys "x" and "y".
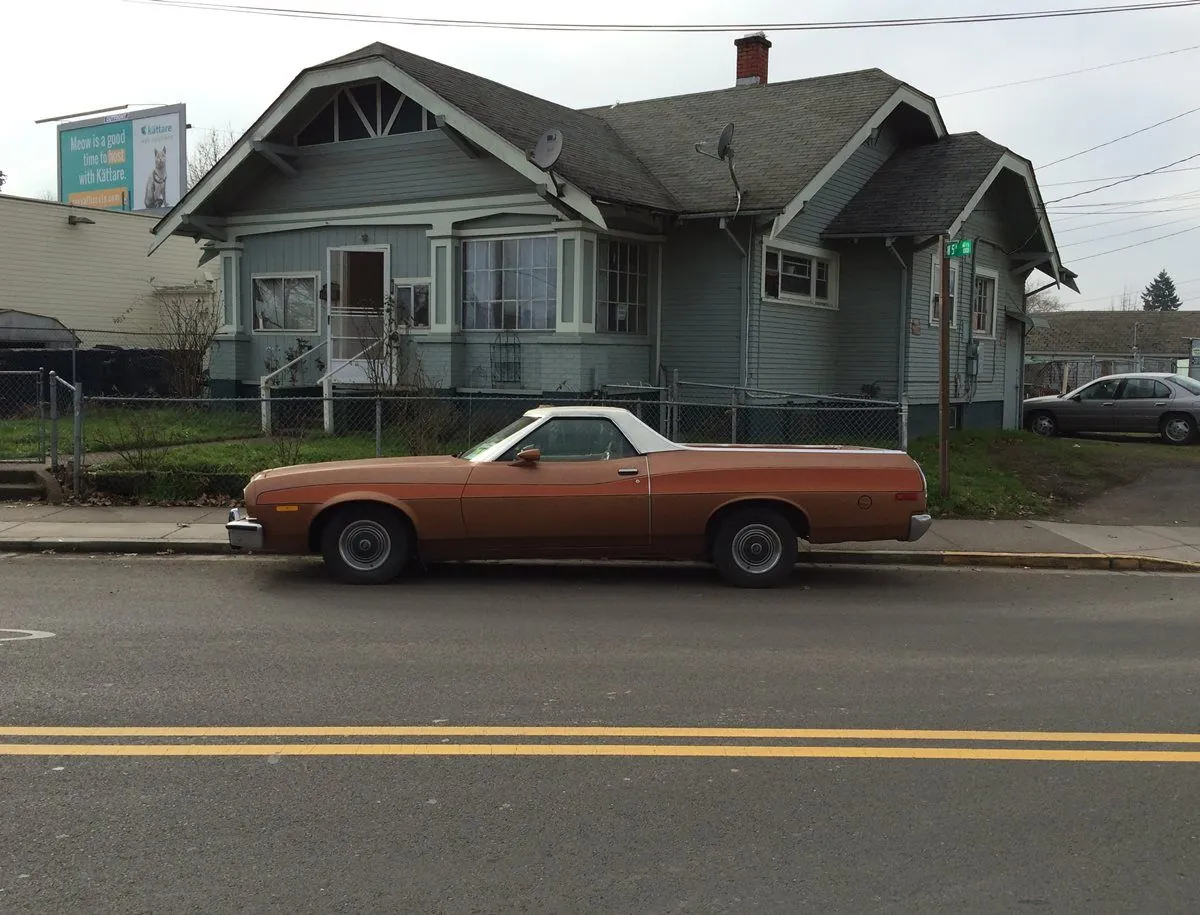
{"x": 363, "y": 111}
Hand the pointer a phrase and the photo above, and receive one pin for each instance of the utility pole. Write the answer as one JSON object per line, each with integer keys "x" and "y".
{"x": 944, "y": 372}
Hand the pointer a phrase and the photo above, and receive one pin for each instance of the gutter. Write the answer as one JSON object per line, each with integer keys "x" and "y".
{"x": 745, "y": 251}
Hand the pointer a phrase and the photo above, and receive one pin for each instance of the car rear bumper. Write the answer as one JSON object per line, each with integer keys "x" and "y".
{"x": 244, "y": 532}
{"x": 919, "y": 525}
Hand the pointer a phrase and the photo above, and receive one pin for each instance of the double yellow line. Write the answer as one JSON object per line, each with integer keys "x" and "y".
{"x": 458, "y": 740}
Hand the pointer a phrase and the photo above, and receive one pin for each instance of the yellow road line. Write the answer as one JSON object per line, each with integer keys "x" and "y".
{"x": 604, "y": 732}
{"x": 660, "y": 750}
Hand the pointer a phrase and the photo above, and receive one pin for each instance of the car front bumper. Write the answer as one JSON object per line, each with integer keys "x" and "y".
{"x": 919, "y": 525}
{"x": 244, "y": 532}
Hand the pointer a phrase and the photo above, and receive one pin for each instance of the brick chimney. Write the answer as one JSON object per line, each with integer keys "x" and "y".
{"x": 752, "y": 53}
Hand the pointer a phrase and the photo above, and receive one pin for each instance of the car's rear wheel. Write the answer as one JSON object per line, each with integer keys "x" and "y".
{"x": 755, "y": 548}
{"x": 1043, "y": 423}
{"x": 366, "y": 544}
{"x": 1177, "y": 429}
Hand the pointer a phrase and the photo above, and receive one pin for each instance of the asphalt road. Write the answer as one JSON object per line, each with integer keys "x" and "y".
{"x": 923, "y": 814}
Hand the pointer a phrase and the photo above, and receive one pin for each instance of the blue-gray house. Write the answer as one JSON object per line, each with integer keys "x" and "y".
{"x": 384, "y": 190}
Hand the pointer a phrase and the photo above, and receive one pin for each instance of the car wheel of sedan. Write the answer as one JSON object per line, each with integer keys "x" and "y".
{"x": 755, "y": 548}
{"x": 366, "y": 544}
{"x": 1043, "y": 424}
{"x": 1178, "y": 429}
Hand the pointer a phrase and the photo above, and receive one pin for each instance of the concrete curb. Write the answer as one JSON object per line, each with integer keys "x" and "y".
{"x": 1106, "y": 562}
{"x": 187, "y": 547}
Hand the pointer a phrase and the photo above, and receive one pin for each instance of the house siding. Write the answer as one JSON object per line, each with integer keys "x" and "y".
{"x": 88, "y": 276}
{"x": 407, "y": 168}
{"x": 987, "y": 229}
{"x": 802, "y": 348}
{"x": 868, "y": 321}
{"x": 702, "y": 291}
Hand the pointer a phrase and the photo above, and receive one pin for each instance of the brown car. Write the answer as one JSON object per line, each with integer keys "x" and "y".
{"x": 584, "y": 482}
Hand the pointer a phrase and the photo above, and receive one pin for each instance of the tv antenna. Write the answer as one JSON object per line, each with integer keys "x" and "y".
{"x": 725, "y": 154}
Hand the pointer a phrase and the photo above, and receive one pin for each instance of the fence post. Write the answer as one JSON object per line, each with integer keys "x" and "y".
{"x": 327, "y": 404}
{"x": 264, "y": 404}
{"x": 674, "y": 405}
{"x": 733, "y": 405}
{"x": 378, "y": 426}
{"x": 77, "y": 440}
{"x": 41, "y": 396}
{"x": 903, "y": 422}
{"x": 53, "y": 421}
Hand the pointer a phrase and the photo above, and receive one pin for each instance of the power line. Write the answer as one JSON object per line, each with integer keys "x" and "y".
{"x": 1119, "y": 139}
{"x": 1161, "y": 225}
{"x": 831, "y": 25}
{"x": 1165, "y": 171}
{"x": 1105, "y": 187}
{"x": 1065, "y": 73}
{"x": 1125, "y": 218}
{"x": 1182, "y": 195}
{"x": 1136, "y": 244}
{"x": 1105, "y": 298}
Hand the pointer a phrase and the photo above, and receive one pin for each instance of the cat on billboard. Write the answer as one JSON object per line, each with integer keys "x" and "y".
{"x": 156, "y": 177}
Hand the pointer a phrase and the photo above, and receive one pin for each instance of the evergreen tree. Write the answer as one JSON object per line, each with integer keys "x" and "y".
{"x": 1160, "y": 295}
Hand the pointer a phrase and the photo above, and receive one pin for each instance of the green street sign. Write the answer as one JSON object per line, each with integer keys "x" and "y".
{"x": 961, "y": 248}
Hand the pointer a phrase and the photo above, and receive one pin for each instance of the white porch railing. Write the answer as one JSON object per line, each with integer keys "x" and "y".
{"x": 265, "y": 383}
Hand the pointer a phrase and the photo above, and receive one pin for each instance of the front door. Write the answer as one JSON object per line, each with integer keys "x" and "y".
{"x": 1092, "y": 408}
{"x": 589, "y": 493}
{"x": 357, "y": 292}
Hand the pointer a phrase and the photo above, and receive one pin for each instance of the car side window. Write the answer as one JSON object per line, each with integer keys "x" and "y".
{"x": 1103, "y": 390}
{"x": 1138, "y": 389}
{"x": 575, "y": 439}
{"x": 1161, "y": 391}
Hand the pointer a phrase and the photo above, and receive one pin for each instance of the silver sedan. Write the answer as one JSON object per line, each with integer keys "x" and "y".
{"x": 1154, "y": 402}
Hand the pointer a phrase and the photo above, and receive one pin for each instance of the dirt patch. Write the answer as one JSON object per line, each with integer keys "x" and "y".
{"x": 1164, "y": 496}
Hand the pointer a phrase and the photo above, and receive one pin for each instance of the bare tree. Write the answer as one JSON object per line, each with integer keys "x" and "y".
{"x": 207, "y": 151}
{"x": 3, "y": 178}
{"x": 1042, "y": 302}
{"x": 1128, "y": 301}
{"x": 188, "y": 320}
{"x": 49, "y": 195}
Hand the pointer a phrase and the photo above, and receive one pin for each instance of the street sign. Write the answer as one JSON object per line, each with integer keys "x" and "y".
{"x": 961, "y": 248}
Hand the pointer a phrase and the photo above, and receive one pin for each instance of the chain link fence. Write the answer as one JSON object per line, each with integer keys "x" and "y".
{"x": 181, "y": 449}
{"x": 22, "y": 416}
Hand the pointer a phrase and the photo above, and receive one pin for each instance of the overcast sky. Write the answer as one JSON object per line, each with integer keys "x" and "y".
{"x": 73, "y": 55}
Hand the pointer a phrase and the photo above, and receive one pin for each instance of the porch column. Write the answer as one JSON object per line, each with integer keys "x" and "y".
{"x": 443, "y": 259}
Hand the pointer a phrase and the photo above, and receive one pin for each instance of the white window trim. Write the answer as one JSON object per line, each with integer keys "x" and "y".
{"x": 417, "y": 281}
{"x": 986, "y": 273}
{"x": 935, "y": 288}
{"x": 232, "y": 263}
{"x": 313, "y": 275}
{"x": 496, "y": 235}
{"x": 783, "y": 298}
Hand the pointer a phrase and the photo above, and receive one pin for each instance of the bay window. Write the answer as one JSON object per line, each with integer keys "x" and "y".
{"x": 510, "y": 283}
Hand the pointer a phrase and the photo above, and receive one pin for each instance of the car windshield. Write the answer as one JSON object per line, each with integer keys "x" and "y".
{"x": 475, "y": 450}
{"x": 1191, "y": 385}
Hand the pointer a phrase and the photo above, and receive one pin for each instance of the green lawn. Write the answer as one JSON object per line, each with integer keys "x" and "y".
{"x": 1021, "y": 475}
{"x": 123, "y": 428}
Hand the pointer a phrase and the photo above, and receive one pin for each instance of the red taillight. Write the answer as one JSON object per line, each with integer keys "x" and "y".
{"x": 907, "y": 496}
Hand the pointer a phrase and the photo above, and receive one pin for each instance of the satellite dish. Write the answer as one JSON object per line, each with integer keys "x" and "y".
{"x": 547, "y": 149}
{"x": 725, "y": 144}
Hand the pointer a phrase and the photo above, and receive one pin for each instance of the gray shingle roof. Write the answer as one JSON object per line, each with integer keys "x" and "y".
{"x": 1162, "y": 333}
{"x": 644, "y": 152}
{"x": 921, "y": 190}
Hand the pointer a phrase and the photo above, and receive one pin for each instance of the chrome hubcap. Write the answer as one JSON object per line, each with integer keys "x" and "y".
{"x": 365, "y": 545}
{"x": 1177, "y": 430}
{"x": 757, "y": 548}
{"x": 1043, "y": 425}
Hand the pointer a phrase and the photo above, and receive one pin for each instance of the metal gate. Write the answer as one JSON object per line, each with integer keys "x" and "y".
{"x": 22, "y": 417}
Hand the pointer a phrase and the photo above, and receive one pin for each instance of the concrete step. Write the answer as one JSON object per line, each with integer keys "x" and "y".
{"x": 22, "y": 492}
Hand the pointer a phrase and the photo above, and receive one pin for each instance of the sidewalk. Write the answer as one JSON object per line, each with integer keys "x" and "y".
{"x": 146, "y": 529}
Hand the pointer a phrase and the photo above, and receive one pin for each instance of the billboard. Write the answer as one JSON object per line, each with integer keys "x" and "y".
{"x": 130, "y": 161}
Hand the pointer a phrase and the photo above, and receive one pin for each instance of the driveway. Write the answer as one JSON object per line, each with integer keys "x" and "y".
{"x": 1167, "y": 496}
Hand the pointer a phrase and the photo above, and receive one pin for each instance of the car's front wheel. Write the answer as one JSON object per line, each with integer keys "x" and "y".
{"x": 1178, "y": 429}
{"x": 366, "y": 544}
{"x": 1043, "y": 423}
{"x": 755, "y": 548}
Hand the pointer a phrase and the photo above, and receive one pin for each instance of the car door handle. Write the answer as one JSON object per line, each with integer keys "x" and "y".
{"x": 1160, "y": 403}
{"x": 1108, "y": 403}
{"x": 628, "y": 471}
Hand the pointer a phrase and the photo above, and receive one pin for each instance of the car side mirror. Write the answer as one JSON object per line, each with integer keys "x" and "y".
{"x": 529, "y": 455}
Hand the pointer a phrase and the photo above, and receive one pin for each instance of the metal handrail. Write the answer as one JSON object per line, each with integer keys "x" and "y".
{"x": 332, "y": 372}
{"x": 265, "y": 380}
